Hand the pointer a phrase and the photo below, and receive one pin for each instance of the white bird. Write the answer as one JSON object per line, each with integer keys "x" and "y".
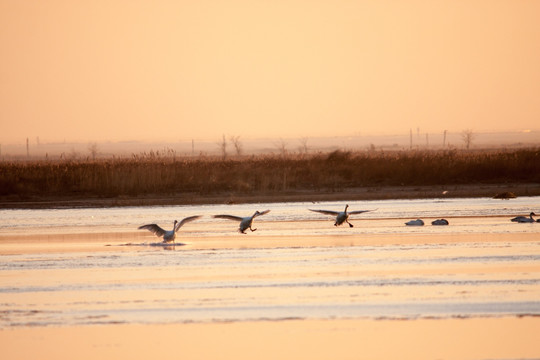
{"x": 341, "y": 216}
{"x": 439, "y": 222}
{"x": 524, "y": 219}
{"x": 245, "y": 222}
{"x": 417, "y": 222}
{"x": 168, "y": 235}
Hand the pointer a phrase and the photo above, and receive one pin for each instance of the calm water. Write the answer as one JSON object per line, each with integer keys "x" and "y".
{"x": 146, "y": 284}
{"x": 470, "y": 215}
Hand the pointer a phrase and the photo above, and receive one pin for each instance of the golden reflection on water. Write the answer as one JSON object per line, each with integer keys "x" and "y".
{"x": 69, "y": 277}
{"x": 119, "y": 280}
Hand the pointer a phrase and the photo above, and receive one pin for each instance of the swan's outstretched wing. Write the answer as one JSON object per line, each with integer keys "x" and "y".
{"x": 326, "y": 212}
{"x": 229, "y": 217}
{"x": 261, "y": 213}
{"x": 358, "y": 211}
{"x": 186, "y": 220}
{"x": 154, "y": 228}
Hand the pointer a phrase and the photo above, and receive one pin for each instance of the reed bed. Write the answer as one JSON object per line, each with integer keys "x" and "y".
{"x": 269, "y": 174}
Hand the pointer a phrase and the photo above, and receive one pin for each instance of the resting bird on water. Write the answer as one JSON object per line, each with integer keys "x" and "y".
{"x": 168, "y": 235}
{"x": 524, "y": 219}
{"x": 341, "y": 216}
{"x": 417, "y": 222}
{"x": 245, "y": 222}
{"x": 440, "y": 222}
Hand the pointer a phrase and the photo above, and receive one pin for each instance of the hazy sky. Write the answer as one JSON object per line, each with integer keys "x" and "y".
{"x": 175, "y": 70}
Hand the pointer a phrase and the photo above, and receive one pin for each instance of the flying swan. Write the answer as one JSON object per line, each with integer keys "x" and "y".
{"x": 245, "y": 222}
{"x": 168, "y": 235}
{"x": 341, "y": 216}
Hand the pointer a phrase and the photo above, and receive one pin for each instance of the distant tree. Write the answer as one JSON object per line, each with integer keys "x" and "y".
{"x": 444, "y": 138}
{"x": 304, "y": 145}
{"x": 73, "y": 154}
{"x": 468, "y": 136}
{"x": 282, "y": 147}
{"x": 223, "y": 148}
{"x": 93, "y": 149}
{"x": 237, "y": 144}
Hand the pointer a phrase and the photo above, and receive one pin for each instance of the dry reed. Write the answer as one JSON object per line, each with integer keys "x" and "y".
{"x": 166, "y": 175}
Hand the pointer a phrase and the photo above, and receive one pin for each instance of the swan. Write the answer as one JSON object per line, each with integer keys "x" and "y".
{"x": 245, "y": 222}
{"x": 168, "y": 235}
{"x": 440, "y": 222}
{"x": 341, "y": 216}
{"x": 417, "y": 222}
{"x": 524, "y": 219}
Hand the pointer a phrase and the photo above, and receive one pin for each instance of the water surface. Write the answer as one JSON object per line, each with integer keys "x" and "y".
{"x": 296, "y": 265}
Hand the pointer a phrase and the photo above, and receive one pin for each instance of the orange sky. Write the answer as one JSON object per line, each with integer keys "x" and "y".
{"x": 175, "y": 70}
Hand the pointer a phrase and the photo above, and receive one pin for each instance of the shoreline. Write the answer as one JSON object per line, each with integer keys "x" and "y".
{"x": 351, "y": 194}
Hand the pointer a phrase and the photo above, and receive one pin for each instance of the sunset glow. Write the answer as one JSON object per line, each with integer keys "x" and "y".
{"x": 176, "y": 70}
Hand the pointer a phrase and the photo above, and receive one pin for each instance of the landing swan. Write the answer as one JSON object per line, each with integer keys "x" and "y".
{"x": 245, "y": 222}
{"x": 341, "y": 216}
{"x": 168, "y": 235}
{"x": 524, "y": 219}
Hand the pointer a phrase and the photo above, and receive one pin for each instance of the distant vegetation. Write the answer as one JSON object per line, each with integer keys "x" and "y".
{"x": 270, "y": 174}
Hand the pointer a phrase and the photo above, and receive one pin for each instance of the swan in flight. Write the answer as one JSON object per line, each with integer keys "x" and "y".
{"x": 524, "y": 219}
{"x": 168, "y": 235}
{"x": 439, "y": 222}
{"x": 245, "y": 222}
{"x": 417, "y": 222}
{"x": 341, "y": 216}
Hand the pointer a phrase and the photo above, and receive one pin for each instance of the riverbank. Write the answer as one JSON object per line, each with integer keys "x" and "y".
{"x": 349, "y": 194}
{"x": 339, "y": 175}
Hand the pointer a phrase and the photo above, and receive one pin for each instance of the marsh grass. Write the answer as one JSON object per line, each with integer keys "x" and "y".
{"x": 269, "y": 174}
